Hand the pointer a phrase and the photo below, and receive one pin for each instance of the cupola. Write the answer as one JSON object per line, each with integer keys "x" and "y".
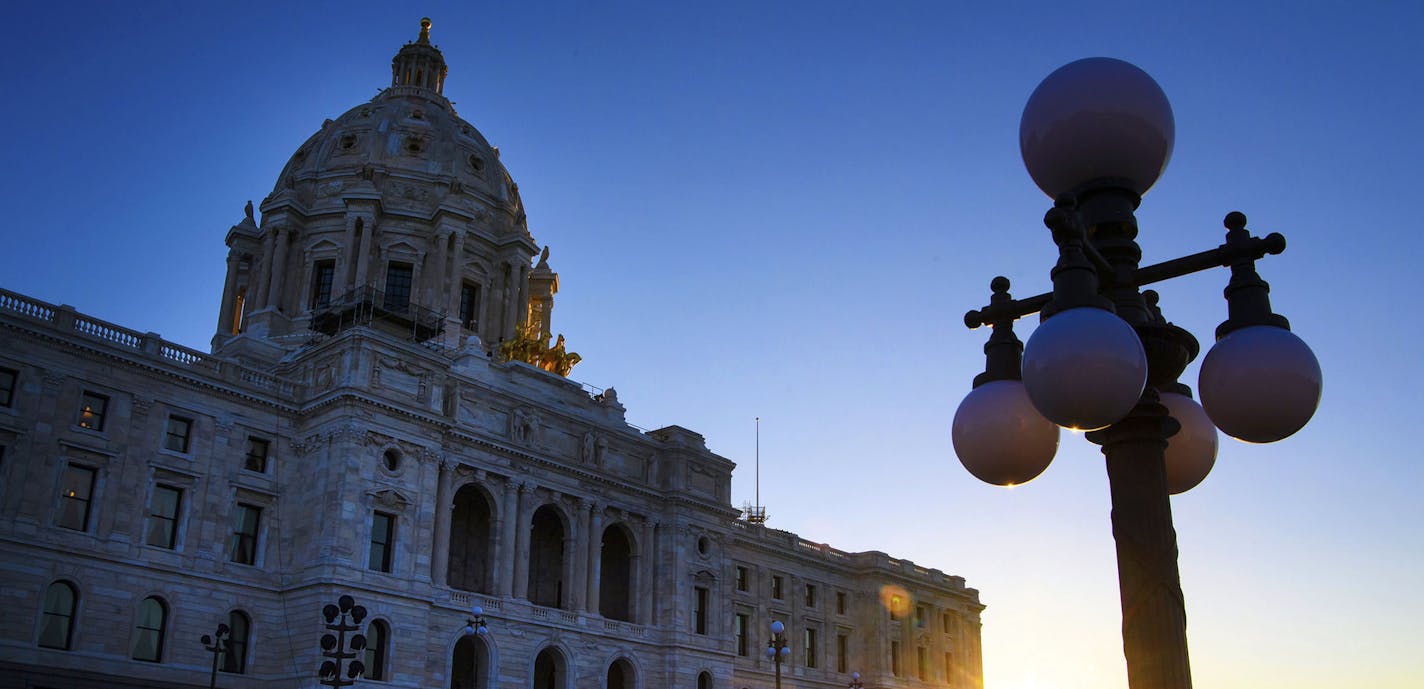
{"x": 420, "y": 64}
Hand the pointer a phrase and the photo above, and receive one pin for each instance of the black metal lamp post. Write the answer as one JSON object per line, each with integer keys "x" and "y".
{"x": 334, "y": 646}
{"x": 1095, "y": 136}
{"x": 476, "y": 623}
{"x": 777, "y": 649}
{"x": 855, "y": 682}
{"x": 216, "y": 644}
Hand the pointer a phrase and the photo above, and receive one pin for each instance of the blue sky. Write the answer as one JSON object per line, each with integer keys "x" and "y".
{"x": 783, "y": 209}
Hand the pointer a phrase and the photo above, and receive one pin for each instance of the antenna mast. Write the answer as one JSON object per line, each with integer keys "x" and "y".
{"x": 756, "y": 514}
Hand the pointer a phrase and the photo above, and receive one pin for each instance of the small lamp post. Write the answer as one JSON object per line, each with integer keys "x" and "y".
{"x": 777, "y": 649}
{"x": 855, "y": 682}
{"x": 216, "y": 644}
{"x": 1095, "y": 136}
{"x": 334, "y": 646}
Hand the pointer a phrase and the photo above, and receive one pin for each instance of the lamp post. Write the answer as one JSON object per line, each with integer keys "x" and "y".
{"x": 855, "y": 682}
{"x": 777, "y": 649}
{"x": 1095, "y": 136}
{"x": 476, "y": 623}
{"x": 334, "y": 646}
{"x": 216, "y": 644}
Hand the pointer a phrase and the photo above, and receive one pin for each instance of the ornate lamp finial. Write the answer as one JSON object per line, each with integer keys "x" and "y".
{"x": 424, "y": 30}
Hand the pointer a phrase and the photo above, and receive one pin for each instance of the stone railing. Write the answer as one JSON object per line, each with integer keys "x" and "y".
{"x": 66, "y": 319}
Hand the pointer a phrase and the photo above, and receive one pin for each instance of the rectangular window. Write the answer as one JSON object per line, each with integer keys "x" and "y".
{"x": 895, "y": 658}
{"x": 469, "y": 305}
{"x": 840, "y": 602}
{"x": 742, "y": 576}
{"x": 809, "y": 647}
{"x": 897, "y": 608}
{"x": 7, "y": 386}
{"x": 92, "y": 407}
{"x": 257, "y": 450}
{"x": 923, "y": 663}
{"x": 842, "y": 651}
{"x": 76, "y": 490}
{"x": 398, "y": 279}
{"x": 383, "y": 535}
{"x": 163, "y": 517}
{"x": 776, "y": 591}
{"x": 178, "y": 434}
{"x": 920, "y": 616}
{"x": 740, "y": 631}
{"x": 810, "y": 595}
{"x": 242, "y": 545}
{"x": 699, "y": 611}
{"x": 323, "y": 275}
{"x": 947, "y": 622}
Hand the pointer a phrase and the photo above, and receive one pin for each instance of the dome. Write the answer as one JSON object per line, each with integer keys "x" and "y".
{"x": 406, "y": 148}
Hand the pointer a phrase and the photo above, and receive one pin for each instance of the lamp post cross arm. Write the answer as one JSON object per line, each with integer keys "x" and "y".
{"x": 1238, "y": 253}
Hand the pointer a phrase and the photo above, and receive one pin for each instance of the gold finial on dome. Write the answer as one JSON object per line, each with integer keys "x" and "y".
{"x": 424, "y": 30}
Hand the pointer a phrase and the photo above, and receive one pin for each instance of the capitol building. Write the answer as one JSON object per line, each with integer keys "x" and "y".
{"x": 385, "y": 413}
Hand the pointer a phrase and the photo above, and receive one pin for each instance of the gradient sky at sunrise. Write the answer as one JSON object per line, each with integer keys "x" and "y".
{"x": 783, "y": 209}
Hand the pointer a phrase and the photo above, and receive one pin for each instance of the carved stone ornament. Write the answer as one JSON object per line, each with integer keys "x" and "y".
{"x": 389, "y": 499}
{"x": 141, "y": 405}
{"x": 525, "y": 426}
{"x": 308, "y": 444}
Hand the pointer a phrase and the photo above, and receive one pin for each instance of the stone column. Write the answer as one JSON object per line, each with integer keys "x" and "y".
{"x": 279, "y": 266}
{"x": 363, "y": 254}
{"x": 229, "y": 297}
{"x": 572, "y": 565}
{"x": 521, "y": 306}
{"x": 440, "y": 549}
{"x": 259, "y": 284}
{"x": 342, "y": 279}
{"x": 648, "y": 555}
{"x": 522, "y": 533}
{"x": 595, "y": 556}
{"x": 579, "y": 586}
{"x": 509, "y": 518}
{"x": 435, "y": 293}
{"x": 456, "y": 269}
{"x": 509, "y": 295}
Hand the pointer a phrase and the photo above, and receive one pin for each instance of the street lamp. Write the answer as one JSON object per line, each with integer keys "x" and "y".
{"x": 216, "y": 644}
{"x": 334, "y": 646}
{"x": 476, "y": 623}
{"x": 777, "y": 649}
{"x": 1095, "y": 136}
{"x": 855, "y": 682}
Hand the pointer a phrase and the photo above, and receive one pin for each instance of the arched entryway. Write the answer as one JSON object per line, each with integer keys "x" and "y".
{"x": 469, "y": 663}
{"x": 550, "y": 670}
{"x": 470, "y": 538}
{"x": 615, "y": 585}
{"x": 546, "y": 558}
{"x": 620, "y": 675}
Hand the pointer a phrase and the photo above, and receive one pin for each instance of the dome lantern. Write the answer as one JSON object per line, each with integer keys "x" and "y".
{"x": 420, "y": 64}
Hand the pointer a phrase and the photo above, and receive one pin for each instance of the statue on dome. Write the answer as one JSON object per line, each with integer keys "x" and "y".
{"x": 247, "y": 210}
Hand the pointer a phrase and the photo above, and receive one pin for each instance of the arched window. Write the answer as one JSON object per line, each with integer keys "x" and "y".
{"x": 470, "y": 534}
{"x": 378, "y": 639}
{"x": 149, "y": 630}
{"x": 546, "y": 558}
{"x": 620, "y": 675}
{"x": 615, "y": 583}
{"x": 57, "y": 619}
{"x": 235, "y": 657}
{"x": 469, "y": 663}
{"x": 549, "y": 669}
{"x": 704, "y": 680}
